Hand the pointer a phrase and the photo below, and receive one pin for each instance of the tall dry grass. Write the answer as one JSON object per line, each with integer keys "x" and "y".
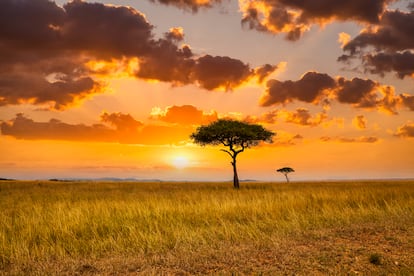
{"x": 46, "y": 221}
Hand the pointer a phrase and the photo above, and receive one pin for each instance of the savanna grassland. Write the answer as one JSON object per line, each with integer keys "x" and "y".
{"x": 315, "y": 228}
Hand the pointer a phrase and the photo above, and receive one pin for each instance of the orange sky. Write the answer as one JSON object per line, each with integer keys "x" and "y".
{"x": 115, "y": 88}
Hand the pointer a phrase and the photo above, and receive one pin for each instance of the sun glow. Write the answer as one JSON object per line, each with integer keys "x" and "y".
{"x": 180, "y": 162}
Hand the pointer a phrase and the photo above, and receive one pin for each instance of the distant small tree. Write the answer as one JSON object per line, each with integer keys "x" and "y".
{"x": 285, "y": 171}
{"x": 235, "y": 135}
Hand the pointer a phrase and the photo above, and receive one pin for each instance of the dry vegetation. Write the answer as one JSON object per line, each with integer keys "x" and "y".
{"x": 73, "y": 228}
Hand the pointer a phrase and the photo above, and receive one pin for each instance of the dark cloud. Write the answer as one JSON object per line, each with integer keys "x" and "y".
{"x": 214, "y": 72}
{"x": 106, "y": 31}
{"x": 357, "y": 91}
{"x": 34, "y": 88}
{"x": 385, "y": 47}
{"x": 44, "y": 49}
{"x": 47, "y": 52}
{"x": 167, "y": 63}
{"x": 30, "y": 21}
{"x": 264, "y": 71}
{"x": 319, "y": 88}
{"x": 408, "y": 101}
{"x": 22, "y": 127}
{"x": 406, "y": 131}
{"x": 193, "y": 5}
{"x": 381, "y": 63}
{"x": 185, "y": 115}
{"x": 310, "y": 88}
{"x": 295, "y": 17}
{"x": 395, "y": 32}
{"x": 35, "y": 64}
{"x": 127, "y": 130}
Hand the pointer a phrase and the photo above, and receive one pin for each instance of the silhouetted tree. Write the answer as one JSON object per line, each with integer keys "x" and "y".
{"x": 235, "y": 135}
{"x": 285, "y": 171}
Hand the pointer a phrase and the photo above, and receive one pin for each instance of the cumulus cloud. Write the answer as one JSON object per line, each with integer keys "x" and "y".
{"x": 406, "y": 131}
{"x": 185, "y": 115}
{"x": 119, "y": 128}
{"x": 386, "y": 46}
{"x": 213, "y": 72}
{"x": 318, "y": 88}
{"x": 293, "y": 18}
{"x": 311, "y": 88}
{"x": 52, "y": 55}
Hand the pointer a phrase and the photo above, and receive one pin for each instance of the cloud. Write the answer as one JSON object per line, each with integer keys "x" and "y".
{"x": 302, "y": 116}
{"x": 285, "y": 139}
{"x": 264, "y": 71}
{"x": 400, "y": 63}
{"x": 22, "y": 127}
{"x": 53, "y": 55}
{"x": 359, "y": 92}
{"x": 360, "y": 122}
{"x": 406, "y": 131}
{"x": 122, "y": 128}
{"x": 394, "y": 32}
{"x": 269, "y": 117}
{"x": 44, "y": 48}
{"x": 408, "y": 101}
{"x": 386, "y": 46}
{"x": 318, "y": 88}
{"x": 193, "y": 5}
{"x": 176, "y": 33}
{"x": 185, "y": 115}
{"x": 310, "y": 88}
{"x": 293, "y": 18}
{"x": 214, "y": 72}
{"x": 362, "y": 139}
{"x": 121, "y": 121}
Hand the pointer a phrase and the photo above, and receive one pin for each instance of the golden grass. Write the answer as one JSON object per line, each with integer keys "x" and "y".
{"x": 63, "y": 227}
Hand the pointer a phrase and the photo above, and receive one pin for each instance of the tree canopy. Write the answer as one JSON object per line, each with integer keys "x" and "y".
{"x": 235, "y": 135}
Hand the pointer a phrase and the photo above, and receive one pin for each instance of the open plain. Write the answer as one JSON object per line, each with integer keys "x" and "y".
{"x": 186, "y": 228}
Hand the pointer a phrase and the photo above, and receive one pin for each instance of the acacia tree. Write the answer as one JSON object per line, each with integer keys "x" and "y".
{"x": 285, "y": 171}
{"x": 235, "y": 135}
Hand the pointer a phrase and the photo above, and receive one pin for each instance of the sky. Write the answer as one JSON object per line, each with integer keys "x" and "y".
{"x": 94, "y": 89}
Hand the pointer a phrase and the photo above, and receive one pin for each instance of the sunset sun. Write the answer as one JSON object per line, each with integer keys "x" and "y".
{"x": 180, "y": 162}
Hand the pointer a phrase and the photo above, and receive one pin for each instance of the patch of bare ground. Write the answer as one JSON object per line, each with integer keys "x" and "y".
{"x": 363, "y": 249}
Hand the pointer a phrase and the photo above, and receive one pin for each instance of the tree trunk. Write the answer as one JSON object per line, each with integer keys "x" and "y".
{"x": 236, "y": 184}
{"x": 287, "y": 178}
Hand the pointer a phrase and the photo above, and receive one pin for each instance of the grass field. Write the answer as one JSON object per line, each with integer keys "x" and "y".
{"x": 74, "y": 228}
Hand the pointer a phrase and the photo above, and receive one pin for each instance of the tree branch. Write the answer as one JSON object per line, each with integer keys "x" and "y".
{"x": 228, "y": 152}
